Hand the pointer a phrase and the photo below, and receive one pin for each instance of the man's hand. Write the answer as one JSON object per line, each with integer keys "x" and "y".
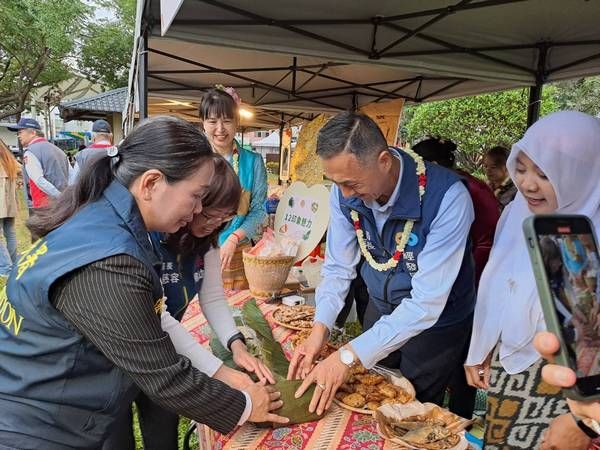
{"x": 264, "y": 400}
{"x": 564, "y": 434}
{"x": 328, "y": 375}
{"x": 306, "y": 353}
{"x": 246, "y": 361}
{"x": 548, "y": 344}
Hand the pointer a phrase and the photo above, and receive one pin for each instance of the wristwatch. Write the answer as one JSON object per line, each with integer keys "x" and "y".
{"x": 347, "y": 357}
{"x": 590, "y": 430}
{"x": 235, "y": 337}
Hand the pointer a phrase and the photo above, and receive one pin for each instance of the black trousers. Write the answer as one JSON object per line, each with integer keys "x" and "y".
{"x": 430, "y": 360}
{"x": 158, "y": 427}
{"x": 358, "y": 293}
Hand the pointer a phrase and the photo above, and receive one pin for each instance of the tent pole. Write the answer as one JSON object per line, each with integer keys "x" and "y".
{"x": 143, "y": 75}
{"x": 533, "y": 108}
{"x": 535, "y": 92}
{"x": 282, "y": 123}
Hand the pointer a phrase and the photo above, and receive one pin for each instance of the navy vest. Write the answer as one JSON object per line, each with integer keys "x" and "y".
{"x": 57, "y": 390}
{"x": 180, "y": 276}
{"x": 387, "y": 289}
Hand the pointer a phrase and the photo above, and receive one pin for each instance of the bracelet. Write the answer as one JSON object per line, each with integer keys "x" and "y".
{"x": 235, "y": 337}
{"x": 236, "y": 236}
{"x": 590, "y": 432}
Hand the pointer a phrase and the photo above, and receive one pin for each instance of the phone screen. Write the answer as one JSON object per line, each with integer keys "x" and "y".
{"x": 572, "y": 265}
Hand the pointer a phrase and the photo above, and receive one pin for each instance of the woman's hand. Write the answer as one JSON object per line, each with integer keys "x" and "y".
{"x": 264, "y": 400}
{"x": 246, "y": 361}
{"x": 564, "y": 434}
{"x": 479, "y": 376}
{"x": 227, "y": 250}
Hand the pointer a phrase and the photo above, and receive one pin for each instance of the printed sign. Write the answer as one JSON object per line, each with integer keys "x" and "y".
{"x": 303, "y": 214}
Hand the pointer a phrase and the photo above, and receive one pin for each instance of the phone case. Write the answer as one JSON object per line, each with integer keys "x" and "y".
{"x": 547, "y": 301}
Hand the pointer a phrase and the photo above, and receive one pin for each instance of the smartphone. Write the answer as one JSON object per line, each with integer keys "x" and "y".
{"x": 566, "y": 263}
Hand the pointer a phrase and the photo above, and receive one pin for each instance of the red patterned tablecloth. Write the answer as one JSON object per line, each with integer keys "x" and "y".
{"x": 339, "y": 428}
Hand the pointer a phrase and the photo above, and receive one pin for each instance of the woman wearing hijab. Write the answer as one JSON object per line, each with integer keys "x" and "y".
{"x": 555, "y": 167}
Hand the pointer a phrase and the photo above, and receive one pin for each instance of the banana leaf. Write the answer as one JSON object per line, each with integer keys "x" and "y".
{"x": 270, "y": 350}
{"x": 222, "y": 353}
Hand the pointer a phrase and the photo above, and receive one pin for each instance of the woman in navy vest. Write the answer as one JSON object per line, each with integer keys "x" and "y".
{"x": 83, "y": 330}
{"x": 220, "y": 115}
{"x": 190, "y": 266}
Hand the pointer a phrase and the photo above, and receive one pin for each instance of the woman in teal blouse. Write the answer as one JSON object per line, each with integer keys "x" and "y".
{"x": 219, "y": 112}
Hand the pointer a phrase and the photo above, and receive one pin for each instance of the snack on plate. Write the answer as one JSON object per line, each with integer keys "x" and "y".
{"x": 302, "y": 335}
{"x": 374, "y": 388}
{"x": 300, "y": 316}
{"x": 432, "y": 429}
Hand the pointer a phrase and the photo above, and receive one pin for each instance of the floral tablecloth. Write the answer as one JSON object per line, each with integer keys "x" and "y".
{"x": 339, "y": 429}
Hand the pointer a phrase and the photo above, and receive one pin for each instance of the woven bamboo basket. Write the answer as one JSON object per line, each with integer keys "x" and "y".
{"x": 266, "y": 275}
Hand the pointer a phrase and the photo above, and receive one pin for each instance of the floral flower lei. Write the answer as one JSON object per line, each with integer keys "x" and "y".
{"x": 408, "y": 225}
{"x": 235, "y": 161}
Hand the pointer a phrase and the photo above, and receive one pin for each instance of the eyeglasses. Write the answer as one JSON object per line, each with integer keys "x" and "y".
{"x": 212, "y": 220}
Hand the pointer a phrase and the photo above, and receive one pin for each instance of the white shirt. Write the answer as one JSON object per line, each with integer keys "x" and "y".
{"x": 439, "y": 263}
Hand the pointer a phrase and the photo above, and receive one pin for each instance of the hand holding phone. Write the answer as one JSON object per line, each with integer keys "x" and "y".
{"x": 566, "y": 263}
{"x": 548, "y": 344}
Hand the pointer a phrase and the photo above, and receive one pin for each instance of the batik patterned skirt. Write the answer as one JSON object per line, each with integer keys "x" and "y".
{"x": 519, "y": 408}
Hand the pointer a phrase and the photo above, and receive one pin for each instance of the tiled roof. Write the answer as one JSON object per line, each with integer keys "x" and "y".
{"x": 110, "y": 101}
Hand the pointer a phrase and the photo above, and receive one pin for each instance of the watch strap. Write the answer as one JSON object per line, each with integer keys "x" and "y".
{"x": 590, "y": 432}
{"x": 234, "y": 338}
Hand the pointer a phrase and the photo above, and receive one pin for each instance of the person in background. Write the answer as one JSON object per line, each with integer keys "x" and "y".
{"x": 494, "y": 164}
{"x": 487, "y": 213}
{"x": 190, "y": 265}
{"x": 555, "y": 167}
{"x": 102, "y": 139}
{"x": 9, "y": 172}
{"x": 86, "y": 303}
{"x": 219, "y": 112}
{"x": 46, "y": 165}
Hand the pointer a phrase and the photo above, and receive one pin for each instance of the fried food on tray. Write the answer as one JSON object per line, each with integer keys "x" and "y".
{"x": 387, "y": 389}
{"x": 371, "y": 379}
{"x": 301, "y": 316}
{"x": 354, "y": 400}
{"x": 373, "y": 405}
{"x": 428, "y": 431}
{"x": 346, "y": 387}
{"x": 375, "y": 389}
{"x": 358, "y": 369}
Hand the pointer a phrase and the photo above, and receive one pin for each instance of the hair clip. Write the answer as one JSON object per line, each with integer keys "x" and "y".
{"x": 231, "y": 91}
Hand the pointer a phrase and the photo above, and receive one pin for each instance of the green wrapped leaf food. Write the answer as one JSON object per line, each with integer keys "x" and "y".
{"x": 295, "y": 409}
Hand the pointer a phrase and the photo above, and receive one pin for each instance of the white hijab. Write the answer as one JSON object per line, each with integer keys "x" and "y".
{"x": 566, "y": 147}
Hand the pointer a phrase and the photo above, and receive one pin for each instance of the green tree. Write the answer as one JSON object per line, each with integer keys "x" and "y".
{"x": 475, "y": 123}
{"x": 38, "y": 39}
{"x": 582, "y": 95}
{"x": 107, "y": 45}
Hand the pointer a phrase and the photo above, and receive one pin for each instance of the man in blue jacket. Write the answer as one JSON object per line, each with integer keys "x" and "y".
{"x": 410, "y": 220}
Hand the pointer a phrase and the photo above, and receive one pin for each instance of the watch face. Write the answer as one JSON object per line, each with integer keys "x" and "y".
{"x": 346, "y": 356}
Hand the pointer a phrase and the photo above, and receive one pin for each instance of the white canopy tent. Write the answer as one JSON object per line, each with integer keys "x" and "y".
{"x": 289, "y": 60}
